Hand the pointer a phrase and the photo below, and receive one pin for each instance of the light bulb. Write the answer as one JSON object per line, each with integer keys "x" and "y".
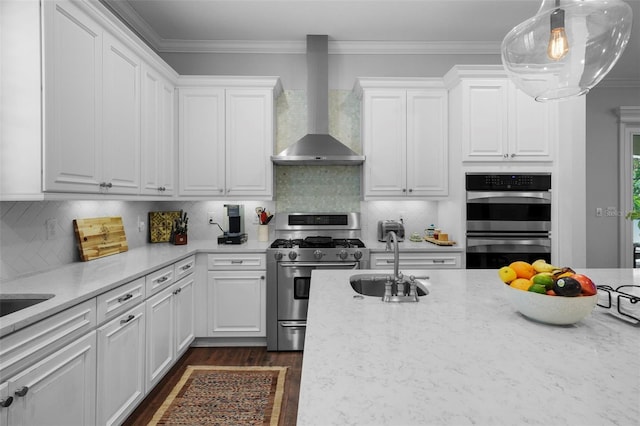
{"x": 558, "y": 43}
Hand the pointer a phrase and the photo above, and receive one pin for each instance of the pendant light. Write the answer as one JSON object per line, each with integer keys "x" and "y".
{"x": 567, "y": 47}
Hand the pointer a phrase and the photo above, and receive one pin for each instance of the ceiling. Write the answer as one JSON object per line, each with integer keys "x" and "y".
{"x": 353, "y": 26}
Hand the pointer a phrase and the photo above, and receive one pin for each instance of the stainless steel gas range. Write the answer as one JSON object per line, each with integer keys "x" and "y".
{"x": 304, "y": 242}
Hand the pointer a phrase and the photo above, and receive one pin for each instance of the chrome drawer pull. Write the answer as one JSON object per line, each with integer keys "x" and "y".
{"x": 125, "y": 297}
{"x": 22, "y": 391}
{"x": 185, "y": 267}
{"x": 162, "y": 279}
{"x": 4, "y": 403}
{"x": 237, "y": 261}
{"x": 127, "y": 319}
{"x": 177, "y": 291}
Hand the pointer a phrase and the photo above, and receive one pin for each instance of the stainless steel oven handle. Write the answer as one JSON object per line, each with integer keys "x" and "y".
{"x": 543, "y": 197}
{"x": 293, "y": 324}
{"x": 350, "y": 265}
{"x": 475, "y": 242}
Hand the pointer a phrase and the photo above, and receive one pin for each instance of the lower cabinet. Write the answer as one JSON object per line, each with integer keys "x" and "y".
{"x": 59, "y": 390}
{"x": 170, "y": 328}
{"x": 418, "y": 260}
{"x": 237, "y": 304}
{"x": 121, "y": 358}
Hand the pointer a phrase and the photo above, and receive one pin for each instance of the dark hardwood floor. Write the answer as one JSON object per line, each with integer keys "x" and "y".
{"x": 233, "y": 356}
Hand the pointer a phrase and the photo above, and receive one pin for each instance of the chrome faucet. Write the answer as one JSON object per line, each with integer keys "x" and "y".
{"x": 391, "y": 235}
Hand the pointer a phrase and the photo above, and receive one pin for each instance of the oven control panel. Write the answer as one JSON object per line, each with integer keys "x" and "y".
{"x": 508, "y": 182}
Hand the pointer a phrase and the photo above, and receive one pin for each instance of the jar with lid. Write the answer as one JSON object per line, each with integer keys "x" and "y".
{"x": 430, "y": 230}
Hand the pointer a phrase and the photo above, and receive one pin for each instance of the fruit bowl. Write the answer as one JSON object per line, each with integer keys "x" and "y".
{"x": 551, "y": 309}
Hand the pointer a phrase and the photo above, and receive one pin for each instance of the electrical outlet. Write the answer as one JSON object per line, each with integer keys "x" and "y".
{"x": 611, "y": 211}
{"x": 140, "y": 225}
{"x": 51, "y": 225}
{"x": 211, "y": 218}
{"x": 598, "y": 211}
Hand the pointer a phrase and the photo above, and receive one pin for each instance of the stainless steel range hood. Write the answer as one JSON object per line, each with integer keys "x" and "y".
{"x": 318, "y": 147}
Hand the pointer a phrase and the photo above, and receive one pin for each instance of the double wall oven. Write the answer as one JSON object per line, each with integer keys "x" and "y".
{"x": 508, "y": 218}
{"x": 305, "y": 241}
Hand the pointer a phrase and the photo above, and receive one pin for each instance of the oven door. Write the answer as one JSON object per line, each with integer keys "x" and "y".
{"x": 294, "y": 280}
{"x": 508, "y": 211}
{"x": 495, "y": 252}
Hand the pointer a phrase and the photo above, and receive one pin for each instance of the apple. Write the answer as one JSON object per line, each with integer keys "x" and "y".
{"x": 588, "y": 287}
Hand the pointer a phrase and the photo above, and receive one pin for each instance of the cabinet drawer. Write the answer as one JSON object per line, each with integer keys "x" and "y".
{"x": 156, "y": 281}
{"x": 236, "y": 261}
{"x": 32, "y": 343}
{"x": 417, "y": 260}
{"x": 184, "y": 267}
{"x": 120, "y": 299}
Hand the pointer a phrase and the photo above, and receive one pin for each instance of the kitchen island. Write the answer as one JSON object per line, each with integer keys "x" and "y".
{"x": 462, "y": 356}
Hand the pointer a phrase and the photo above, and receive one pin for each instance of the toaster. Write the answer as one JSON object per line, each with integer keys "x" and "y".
{"x": 384, "y": 226}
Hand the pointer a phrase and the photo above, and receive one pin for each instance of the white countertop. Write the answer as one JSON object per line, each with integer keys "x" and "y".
{"x": 80, "y": 281}
{"x": 463, "y": 356}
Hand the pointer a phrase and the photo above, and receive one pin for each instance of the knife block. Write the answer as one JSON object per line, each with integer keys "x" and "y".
{"x": 180, "y": 239}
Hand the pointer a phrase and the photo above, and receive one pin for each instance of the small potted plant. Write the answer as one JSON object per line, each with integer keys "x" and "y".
{"x": 179, "y": 231}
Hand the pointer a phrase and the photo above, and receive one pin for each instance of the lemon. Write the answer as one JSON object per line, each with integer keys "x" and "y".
{"x": 507, "y": 274}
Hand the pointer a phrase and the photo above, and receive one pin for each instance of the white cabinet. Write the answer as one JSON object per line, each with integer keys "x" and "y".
{"x": 170, "y": 327}
{"x": 226, "y": 137}
{"x": 121, "y": 366}
{"x": 5, "y": 402}
{"x": 404, "y": 134}
{"x": 158, "y": 134}
{"x": 72, "y": 99}
{"x": 236, "y": 295}
{"x": 59, "y": 390}
{"x": 92, "y": 105}
{"x": 201, "y": 141}
{"x": 498, "y": 122}
{"x": 418, "y": 260}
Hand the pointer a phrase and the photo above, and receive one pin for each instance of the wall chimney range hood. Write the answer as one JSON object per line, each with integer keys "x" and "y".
{"x": 318, "y": 147}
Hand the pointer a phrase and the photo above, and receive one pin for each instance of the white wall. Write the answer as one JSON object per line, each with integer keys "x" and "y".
{"x": 603, "y": 170}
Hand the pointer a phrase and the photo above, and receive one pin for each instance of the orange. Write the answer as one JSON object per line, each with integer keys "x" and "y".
{"x": 521, "y": 284}
{"x": 523, "y": 269}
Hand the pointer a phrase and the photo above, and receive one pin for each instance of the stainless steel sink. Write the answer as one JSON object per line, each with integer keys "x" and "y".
{"x": 10, "y": 303}
{"x": 373, "y": 284}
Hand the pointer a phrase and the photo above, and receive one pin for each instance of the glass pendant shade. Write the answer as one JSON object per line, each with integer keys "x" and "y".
{"x": 567, "y": 47}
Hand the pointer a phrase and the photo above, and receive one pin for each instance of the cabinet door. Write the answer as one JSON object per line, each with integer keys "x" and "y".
{"x": 201, "y": 141}
{"x": 533, "y": 127}
{"x": 121, "y": 125}
{"x": 121, "y": 358}
{"x": 160, "y": 337}
{"x": 237, "y": 304}
{"x": 249, "y": 142}
{"x": 184, "y": 301}
{"x": 72, "y": 99}
{"x": 427, "y": 143}
{"x": 485, "y": 133}
{"x": 157, "y": 144}
{"x": 59, "y": 390}
{"x": 384, "y": 142}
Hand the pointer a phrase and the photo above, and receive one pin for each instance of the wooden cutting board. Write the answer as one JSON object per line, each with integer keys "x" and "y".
{"x": 100, "y": 236}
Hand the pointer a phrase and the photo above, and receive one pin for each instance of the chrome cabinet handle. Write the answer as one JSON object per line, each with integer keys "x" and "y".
{"x": 262, "y": 277}
{"x": 404, "y": 189}
{"x": 185, "y": 267}
{"x": 127, "y": 319}
{"x": 177, "y": 291}
{"x": 162, "y": 279}
{"x": 410, "y": 189}
{"x": 125, "y": 297}
{"x": 237, "y": 261}
{"x": 513, "y": 155}
{"x": 22, "y": 391}
{"x": 505, "y": 155}
{"x": 4, "y": 403}
{"x": 105, "y": 185}
{"x": 437, "y": 260}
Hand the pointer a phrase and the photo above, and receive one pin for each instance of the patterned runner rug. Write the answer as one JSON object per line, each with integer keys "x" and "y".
{"x": 216, "y": 395}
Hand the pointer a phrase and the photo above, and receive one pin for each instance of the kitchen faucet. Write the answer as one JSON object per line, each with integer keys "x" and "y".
{"x": 405, "y": 291}
{"x": 391, "y": 235}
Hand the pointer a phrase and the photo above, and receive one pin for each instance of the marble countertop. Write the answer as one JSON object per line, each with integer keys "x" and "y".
{"x": 463, "y": 356}
{"x": 80, "y": 281}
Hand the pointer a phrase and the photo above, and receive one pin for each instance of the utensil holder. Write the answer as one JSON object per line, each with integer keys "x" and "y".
{"x": 263, "y": 233}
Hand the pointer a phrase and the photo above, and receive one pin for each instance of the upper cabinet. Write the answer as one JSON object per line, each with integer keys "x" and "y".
{"x": 404, "y": 137}
{"x": 492, "y": 120}
{"x": 226, "y": 136}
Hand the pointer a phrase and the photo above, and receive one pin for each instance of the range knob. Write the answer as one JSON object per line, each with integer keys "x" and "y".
{"x": 357, "y": 255}
{"x": 318, "y": 254}
{"x": 293, "y": 255}
{"x": 343, "y": 254}
{"x": 278, "y": 255}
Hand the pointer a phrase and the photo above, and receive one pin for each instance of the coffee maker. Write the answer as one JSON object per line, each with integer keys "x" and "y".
{"x": 233, "y": 222}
